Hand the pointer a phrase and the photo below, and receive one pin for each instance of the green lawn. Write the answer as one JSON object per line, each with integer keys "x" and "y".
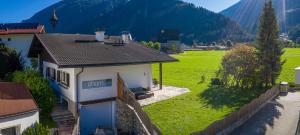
{"x": 203, "y": 105}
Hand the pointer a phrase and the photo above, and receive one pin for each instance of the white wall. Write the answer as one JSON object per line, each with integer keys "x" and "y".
{"x": 133, "y": 75}
{"x": 22, "y": 121}
{"x": 21, "y": 42}
{"x": 297, "y": 75}
{"x": 68, "y": 92}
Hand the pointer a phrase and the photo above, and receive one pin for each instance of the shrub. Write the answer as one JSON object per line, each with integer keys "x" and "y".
{"x": 37, "y": 129}
{"x": 292, "y": 84}
{"x": 216, "y": 81}
{"x": 39, "y": 88}
{"x": 155, "y": 82}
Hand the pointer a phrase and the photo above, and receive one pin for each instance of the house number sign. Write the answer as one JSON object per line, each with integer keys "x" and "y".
{"x": 96, "y": 84}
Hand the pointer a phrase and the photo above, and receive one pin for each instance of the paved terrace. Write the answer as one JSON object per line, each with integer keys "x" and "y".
{"x": 167, "y": 92}
{"x": 279, "y": 117}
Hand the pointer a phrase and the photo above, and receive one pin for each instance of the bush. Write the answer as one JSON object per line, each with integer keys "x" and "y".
{"x": 37, "y": 129}
{"x": 155, "y": 82}
{"x": 39, "y": 88}
{"x": 292, "y": 84}
{"x": 216, "y": 81}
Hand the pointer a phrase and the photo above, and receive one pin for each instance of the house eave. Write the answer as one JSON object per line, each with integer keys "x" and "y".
{"x": 114, "y": 64}
{"x": 18, "y": 114}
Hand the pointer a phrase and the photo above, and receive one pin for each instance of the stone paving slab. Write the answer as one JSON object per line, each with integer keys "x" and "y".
{"x": 166, "y": 93}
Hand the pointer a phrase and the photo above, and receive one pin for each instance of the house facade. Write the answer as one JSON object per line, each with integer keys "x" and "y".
{"x": 19, "y": 36}
{"x": 84, "y": 70}
{"x": 18, "y": 110}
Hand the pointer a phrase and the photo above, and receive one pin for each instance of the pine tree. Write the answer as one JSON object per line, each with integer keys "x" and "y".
{"x": 269, "y": 49}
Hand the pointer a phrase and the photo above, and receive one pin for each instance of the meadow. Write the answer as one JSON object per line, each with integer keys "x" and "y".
{"x": 205, "y": 104}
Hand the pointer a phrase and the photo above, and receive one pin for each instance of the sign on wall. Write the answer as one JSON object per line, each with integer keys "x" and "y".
{"x": 96, "y": 84}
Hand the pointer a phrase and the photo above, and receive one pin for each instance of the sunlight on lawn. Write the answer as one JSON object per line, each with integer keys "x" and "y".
{"x": 203, "y": 105}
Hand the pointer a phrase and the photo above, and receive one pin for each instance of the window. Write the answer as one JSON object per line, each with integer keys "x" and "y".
{"x": 96, "y": 84}
{"x": 8, "y": 39}
{"x": 8, "y": 131}
{"x": 50, "y": 73}
{"x": 63, "y": 78}
{"x": 0, "y": 39}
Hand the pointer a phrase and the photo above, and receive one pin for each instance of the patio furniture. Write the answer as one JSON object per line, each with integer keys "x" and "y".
{"x": 142, "y": 93}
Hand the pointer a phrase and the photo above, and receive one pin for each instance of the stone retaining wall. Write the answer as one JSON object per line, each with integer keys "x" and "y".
{"x": 128, "y": 120}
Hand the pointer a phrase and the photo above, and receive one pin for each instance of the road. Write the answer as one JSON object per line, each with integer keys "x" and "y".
{"x": 279, "y": 117}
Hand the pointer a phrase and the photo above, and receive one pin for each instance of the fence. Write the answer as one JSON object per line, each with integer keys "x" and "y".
{"x": 235, "y": 119}
{"x": 129, "y": 98}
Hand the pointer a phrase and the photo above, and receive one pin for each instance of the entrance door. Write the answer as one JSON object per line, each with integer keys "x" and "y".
{"x": 9, "y": 131}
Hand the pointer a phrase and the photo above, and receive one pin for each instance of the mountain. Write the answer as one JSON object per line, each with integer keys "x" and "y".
{"x": 143, "y": 18}
{"x": 247, "y": 13}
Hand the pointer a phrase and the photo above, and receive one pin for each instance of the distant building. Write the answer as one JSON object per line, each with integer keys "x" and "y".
{"x": 19, "y": 36}
{"x": 170, "y": 41}
{"x": 18, "y": 110}
{"x": 85, "y": 71}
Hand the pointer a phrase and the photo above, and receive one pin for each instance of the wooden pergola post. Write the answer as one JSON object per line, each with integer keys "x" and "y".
{"x": 160, "y": 76}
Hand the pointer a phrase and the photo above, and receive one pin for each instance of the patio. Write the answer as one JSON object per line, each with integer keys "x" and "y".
{"x": 165, "y": 93}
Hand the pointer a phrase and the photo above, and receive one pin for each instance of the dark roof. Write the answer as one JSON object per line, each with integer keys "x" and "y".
{"x": 21, "y": 28}
{"x": 74, "y": 50}
{"x": 15, "y": 99}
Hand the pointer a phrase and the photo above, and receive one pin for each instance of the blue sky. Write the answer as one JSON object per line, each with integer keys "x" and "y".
{"x": 18, "y": 10}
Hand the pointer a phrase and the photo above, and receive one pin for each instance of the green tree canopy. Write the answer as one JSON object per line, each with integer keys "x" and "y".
{"x": 39, "y": 88}
{"x": 240, "y": 67}
{"x": 10, "y": 61}
{"x": 268, "y": 47}
{"x": 153, "y": 45}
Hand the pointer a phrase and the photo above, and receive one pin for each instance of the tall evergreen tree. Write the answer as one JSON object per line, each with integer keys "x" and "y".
{"x": 269, "y": 49}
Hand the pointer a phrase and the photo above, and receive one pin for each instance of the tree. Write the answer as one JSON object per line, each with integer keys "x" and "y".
{"x": 156, "y": 46}
{"x": 39, "y": 88}
{"x": 37, "y": 129}
{"x": 214, "y": 44}
{"x": 10, "y": 61}
{"x": 152, "y": 45}
{"x": 229, "y": 43}
{"x": 268, "y": 47}
{"x": 240, "y": 67}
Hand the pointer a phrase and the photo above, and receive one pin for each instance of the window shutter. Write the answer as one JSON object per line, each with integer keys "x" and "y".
{"x": 58, "y": 76}
{"x": 68, "y": 79}
{"x": 54, "y": 74}
{"x": 47, "y": 72}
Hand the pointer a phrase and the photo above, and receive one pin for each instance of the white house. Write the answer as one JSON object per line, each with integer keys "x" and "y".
{"x": 19, "y": 36}
{"x": 84, "y": 71}
{"x": 18, "y": 110}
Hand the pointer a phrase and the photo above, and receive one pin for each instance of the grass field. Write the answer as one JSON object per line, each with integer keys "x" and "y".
{"x": 194, "y": 111}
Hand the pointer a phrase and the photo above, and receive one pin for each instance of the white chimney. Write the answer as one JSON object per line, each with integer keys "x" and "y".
{"x": 100, "y": 36}
{"x": 126, "y": 37}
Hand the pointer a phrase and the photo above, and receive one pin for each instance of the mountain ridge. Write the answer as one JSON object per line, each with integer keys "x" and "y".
{"x": 247, "y": 13}
{"x": 143, "y": 18}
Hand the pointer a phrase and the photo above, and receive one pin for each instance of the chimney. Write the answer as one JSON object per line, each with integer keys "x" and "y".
{"x": 126, "y": 37}
{"x": 100, "y": 36}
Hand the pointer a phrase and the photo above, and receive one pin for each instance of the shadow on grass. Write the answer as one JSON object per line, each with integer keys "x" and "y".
{"x": 218, "y": 97}
{"x": 257, "y": 125}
